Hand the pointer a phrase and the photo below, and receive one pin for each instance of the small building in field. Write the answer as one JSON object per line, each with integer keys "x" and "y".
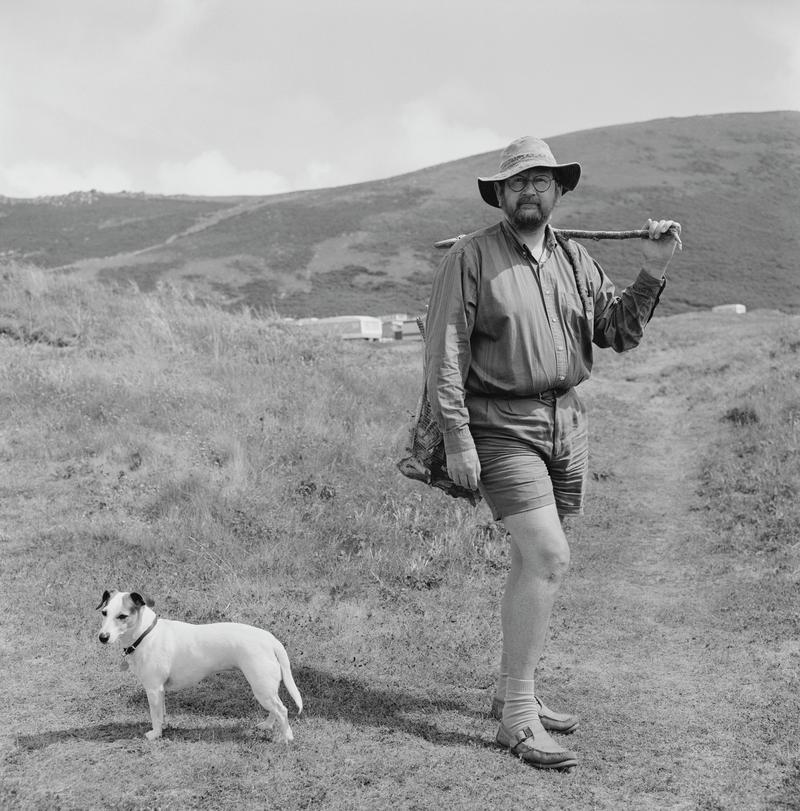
{"x": 349, "y": 327}
{"x": 400, "y": 326}
{"x": 737, "y": 309}
{"x": 410, "y": 330}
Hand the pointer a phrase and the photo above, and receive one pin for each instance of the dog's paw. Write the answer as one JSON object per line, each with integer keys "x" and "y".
{"x": 278, "y": 733}
{"x": 152, "y": 734}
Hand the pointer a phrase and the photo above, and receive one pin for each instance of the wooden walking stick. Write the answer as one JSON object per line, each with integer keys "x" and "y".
{"x": 568, "y": 233}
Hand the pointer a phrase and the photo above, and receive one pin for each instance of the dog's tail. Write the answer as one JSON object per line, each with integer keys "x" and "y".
{"x": 286, "y": 674}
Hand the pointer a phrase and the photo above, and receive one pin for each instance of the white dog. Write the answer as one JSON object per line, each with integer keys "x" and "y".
{"x": 168, "y": 654}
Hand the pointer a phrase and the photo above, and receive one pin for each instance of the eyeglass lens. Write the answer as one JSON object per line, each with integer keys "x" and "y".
{"x": 519, "y": 182}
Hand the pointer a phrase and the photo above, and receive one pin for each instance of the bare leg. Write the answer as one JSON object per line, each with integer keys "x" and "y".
{"x": 539, "y": 561}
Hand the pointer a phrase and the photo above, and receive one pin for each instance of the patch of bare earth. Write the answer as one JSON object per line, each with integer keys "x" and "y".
{"x": 682, "y": 672}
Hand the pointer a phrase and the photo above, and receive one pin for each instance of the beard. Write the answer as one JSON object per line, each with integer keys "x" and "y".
{"x": 528, "y": 218}
{"x": 529, "y": 214}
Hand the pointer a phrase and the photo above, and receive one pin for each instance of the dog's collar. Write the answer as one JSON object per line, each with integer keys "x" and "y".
{"x": 131, "y": 648}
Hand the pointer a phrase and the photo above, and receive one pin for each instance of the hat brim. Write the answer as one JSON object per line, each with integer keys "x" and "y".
{"x": 567, "y": 175}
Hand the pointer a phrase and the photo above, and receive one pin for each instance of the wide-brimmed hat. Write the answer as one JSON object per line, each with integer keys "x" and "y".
{"x": 528, "y": 153}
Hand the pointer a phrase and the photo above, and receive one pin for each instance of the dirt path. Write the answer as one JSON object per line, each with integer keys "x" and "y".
{"x": 671, "y": 662}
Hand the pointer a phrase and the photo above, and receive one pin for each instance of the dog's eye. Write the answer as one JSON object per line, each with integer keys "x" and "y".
{"x": 122, "y": 616}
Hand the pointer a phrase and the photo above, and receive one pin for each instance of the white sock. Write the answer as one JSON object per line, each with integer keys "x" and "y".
{"x": 520, "y": 709}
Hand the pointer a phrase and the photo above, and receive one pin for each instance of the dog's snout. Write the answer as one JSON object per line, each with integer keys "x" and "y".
{"x": 104, "y": 637}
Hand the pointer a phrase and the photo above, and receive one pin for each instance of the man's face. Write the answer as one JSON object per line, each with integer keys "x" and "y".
{"x": 520, "y": 198}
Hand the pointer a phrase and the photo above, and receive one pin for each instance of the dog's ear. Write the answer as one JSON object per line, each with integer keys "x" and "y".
{"x": 139, "y": 601}
{"x": 104, "y": 600}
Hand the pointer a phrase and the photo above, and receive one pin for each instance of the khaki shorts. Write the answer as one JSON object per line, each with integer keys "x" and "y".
{"x": 533, "y": 452}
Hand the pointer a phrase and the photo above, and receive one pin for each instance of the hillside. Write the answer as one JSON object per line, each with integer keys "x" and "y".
{"x": 732, "y": 180}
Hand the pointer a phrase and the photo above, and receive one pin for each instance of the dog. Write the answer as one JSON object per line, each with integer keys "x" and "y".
{"x": 167, "y": 654}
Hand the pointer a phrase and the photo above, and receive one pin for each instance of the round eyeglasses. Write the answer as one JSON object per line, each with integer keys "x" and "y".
{"x": 540, "y": 182}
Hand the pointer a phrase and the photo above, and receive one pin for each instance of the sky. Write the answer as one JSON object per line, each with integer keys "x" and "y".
{"x": 259, "y": 97}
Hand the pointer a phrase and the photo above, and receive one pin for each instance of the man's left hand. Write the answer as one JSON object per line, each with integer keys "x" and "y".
{"x": 664, "y": 239}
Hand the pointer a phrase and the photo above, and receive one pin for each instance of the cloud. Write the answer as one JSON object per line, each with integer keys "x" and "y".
{"x": 211, "y": 173}
{"x": 318, "y": 175}
{"x": 32, "y": 179}
{"x": 420, "y": 133}
{"x": 173, "y": 23}
{"x": 786, "y": 76}
{"x": 429, "y": 136}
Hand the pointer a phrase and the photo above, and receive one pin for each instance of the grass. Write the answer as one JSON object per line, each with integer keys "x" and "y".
{"x": 234, "y": 467}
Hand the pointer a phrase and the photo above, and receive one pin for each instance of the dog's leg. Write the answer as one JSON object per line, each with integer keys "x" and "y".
{"x": 278, "y": 718}
{"x": 155, "y": 698}
{"x": 269, "y": 724}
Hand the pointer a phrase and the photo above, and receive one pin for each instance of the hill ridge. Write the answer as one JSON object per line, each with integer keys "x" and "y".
{"x": 733, "y": 179}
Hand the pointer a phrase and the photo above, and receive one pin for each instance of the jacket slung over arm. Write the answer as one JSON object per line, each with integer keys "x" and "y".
{"x": 449, "y": 325}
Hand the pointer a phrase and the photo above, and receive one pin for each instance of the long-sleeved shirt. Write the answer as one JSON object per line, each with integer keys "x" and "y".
{"x": 499, "y": 324}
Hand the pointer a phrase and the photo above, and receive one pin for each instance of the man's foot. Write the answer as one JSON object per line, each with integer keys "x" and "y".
{"x": 533, "y": 745}
{"x": 552, "y": 721}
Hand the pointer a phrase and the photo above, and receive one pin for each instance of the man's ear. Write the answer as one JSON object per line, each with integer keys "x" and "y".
{"x": 498, "y": 191}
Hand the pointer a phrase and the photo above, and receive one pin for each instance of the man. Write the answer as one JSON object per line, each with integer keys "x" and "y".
{"x": 513, "y": 313}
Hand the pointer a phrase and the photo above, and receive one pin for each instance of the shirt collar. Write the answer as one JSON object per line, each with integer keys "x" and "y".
{"x": 511, "y": 232}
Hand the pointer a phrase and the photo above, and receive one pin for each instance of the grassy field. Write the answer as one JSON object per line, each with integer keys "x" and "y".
{"x": 233, "y": 467}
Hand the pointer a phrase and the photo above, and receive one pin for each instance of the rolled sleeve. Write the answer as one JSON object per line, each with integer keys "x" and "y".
{"x": 619, "y": 320}
{"x": 458, "y": 440}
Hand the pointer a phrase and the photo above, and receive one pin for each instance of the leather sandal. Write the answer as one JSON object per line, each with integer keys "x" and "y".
{"x": 526, "y": 743}
{"x": 551, "y": 720}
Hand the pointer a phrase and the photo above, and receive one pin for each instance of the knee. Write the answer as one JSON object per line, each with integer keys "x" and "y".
{"x": 555, "y": 562}
{"x": 547, "y": 560}
{"x": 541, "y": 545}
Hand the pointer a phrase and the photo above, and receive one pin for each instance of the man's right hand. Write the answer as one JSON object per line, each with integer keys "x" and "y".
{"x": 464, "y": 468}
